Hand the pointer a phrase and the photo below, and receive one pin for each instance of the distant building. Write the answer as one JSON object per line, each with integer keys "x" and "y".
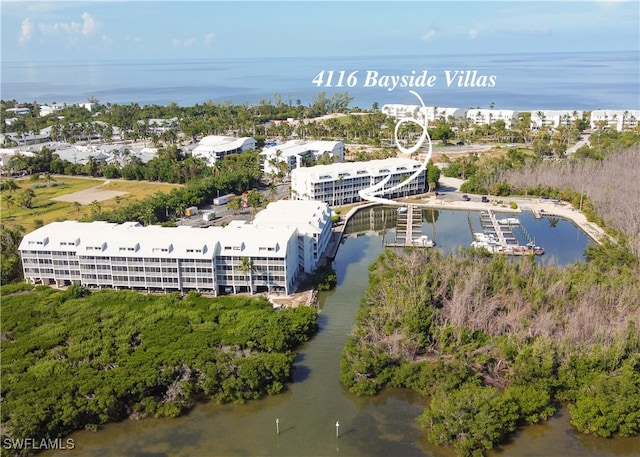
{"x": 615, "y": 119}
{"x": 45, "y": 110}
{"x": 88, "y": 106}
{"x": 294, "y": 152}
{"x": 263, "y": 256}
{"x": 339, "y": 184}
{"x": 554, "y": 118}
{"x": 491, "y": 116}
{"x": 159, "y": 126}
{"x": 420, "y": 113}
{"x": 19, "y": 111}
{"x": 214, "y": 147}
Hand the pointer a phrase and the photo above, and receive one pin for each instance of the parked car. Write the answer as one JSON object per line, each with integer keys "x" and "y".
{"x": 485, "y": 199}
{"x": 466, "y": 198}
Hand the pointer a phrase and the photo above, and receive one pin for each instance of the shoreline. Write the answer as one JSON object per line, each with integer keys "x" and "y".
{"x": 545, "y": 209}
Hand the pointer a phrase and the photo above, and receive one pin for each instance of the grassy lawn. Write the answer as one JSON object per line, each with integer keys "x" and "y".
{"x": 47, "y": 210}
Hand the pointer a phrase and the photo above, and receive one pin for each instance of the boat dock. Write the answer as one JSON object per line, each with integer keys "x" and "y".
{"x": 409, "y": 229}
{"x": 504, "y": 233}
{"x": 503, "y": 237}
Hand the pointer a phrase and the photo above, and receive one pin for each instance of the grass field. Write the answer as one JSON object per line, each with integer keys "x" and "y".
{"x": 46, "y": 210}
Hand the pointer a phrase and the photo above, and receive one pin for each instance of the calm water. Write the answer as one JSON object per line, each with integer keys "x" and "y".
{"x": 581, "y": 81}
{"x": 384, "y": 425}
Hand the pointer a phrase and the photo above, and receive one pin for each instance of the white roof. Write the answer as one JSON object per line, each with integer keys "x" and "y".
{"x": 218, "y": 143}
{"x": 251, "y": 240}
{"x": 297, "y": 147}
{"x": 305, "y": 215}
{"x": 352, "y": 169}
{"x": 131, "y": 239}
{"x": 605, "y": 113}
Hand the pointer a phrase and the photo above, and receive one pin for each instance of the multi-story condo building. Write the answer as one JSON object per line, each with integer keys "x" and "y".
{"x": 615, "y": 119}
{"x": 215, "y": 147}
{"x": 312, "y": 221}
{"x": 554, "y": 118}
{"x": 294, "y": 152}
{"x": 241, "y": 257}
{"x": 421, "y": 113}
{"x": 339, "y": 184}
{"x": 490, "y": 116}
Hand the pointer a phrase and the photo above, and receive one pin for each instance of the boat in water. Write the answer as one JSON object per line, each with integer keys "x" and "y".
{"x": 423, "y": 241}
{"x": 509, "y": 221}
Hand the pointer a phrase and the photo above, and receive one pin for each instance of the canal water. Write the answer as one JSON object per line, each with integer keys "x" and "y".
{"x": 317, "y": 416}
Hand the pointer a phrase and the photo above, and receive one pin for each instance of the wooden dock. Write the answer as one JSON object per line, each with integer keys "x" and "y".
{"x": 409, "y": 229}
{"x": 506, "y": 238}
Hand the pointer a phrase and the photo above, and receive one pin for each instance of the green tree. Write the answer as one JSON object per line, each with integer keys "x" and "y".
{"x": 471, "y": 419}
{"x": 246, "y": 266}
{"x": 26, "y": 198}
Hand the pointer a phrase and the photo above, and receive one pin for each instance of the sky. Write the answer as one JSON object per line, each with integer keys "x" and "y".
{"x": 94, "y": 30}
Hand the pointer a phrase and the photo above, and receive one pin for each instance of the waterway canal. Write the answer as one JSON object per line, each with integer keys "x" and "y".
{"x": 384, "y": 425}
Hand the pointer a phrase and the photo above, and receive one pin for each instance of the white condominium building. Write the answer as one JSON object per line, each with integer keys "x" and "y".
{"x": 215, "y": 147}
{"x": 241, "y": 257}
{"x": 490, "y": 116}
{"x": 420, "y": 113}
{"x": 311, "y": 219}
{"x": 615, "y": 119}
{"x": 339, "y": 184}
{"x": 554, "y": 118}
{"x": 294, "y": 152}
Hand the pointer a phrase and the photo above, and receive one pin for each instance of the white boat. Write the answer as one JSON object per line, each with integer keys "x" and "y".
{"x": 491, "y": 247}
{"x": 485, "y": 237}
{"x": 423, "y": 241}
{"x": 402, "y": 210}
{"x": 509, "y": 221}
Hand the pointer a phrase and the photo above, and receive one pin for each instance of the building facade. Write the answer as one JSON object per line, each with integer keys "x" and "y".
{"x": 615, "y": 119}
{"x": 215, "y": 147}
{"x": 554, "y": 118}
{"x": 421, "y": 113}
{"x": 312, "y": 221}
{"x": 294, "y": 153}
{"x": 491, "y": 116}
{"x": 339, "y": 184}
{"x": 264, "y": 256}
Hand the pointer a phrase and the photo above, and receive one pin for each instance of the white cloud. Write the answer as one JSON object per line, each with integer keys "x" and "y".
{"x": 429, "y": 35}
{"x": 473, "y": 33}
{"x": 193, "y": 41}
{"x": 209, "y": 39}
{"x": 26, "y": 30}
{"x": 89, "y": 24}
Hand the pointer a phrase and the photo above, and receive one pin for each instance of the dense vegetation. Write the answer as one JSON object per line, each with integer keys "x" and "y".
{"x": 606, "y": 189}
{"x": 496, "y": 343}
{"x": 71, "y": 359}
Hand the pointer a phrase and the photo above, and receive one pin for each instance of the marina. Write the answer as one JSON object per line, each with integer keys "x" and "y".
{"x": 498, "y": 236}
{"x": 409, "y": 229}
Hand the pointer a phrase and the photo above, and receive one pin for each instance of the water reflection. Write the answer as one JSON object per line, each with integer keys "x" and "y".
{"x": 384, "y": 425}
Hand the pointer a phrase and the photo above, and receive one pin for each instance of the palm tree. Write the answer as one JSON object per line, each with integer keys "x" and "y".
{"x": 8, "y": 199}
{"x": 10, "y": 185}
{"x": 49, "y": 178}
{"x": 246, "y": 266}
{"x": 26, "y": 198}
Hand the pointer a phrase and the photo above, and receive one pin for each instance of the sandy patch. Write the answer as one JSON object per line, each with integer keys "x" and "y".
{"x": 85, "y": 197}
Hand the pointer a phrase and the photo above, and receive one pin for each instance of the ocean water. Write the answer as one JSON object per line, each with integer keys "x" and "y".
{"x": 580, "y": 81}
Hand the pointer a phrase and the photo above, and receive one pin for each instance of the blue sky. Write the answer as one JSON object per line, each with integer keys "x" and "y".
{"x": 79, "y": 30}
